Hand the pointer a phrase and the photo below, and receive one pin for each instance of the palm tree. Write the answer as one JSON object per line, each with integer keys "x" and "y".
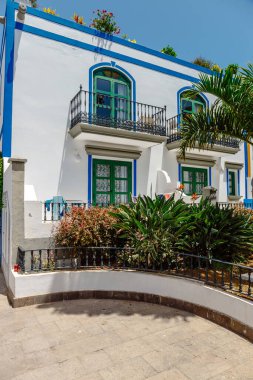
{"x": 230, "y": 115}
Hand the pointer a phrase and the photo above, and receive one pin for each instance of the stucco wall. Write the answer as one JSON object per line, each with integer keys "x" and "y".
{"x": 166, "y": 286}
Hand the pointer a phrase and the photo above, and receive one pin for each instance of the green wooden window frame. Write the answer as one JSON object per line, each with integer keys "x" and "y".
{"x": 194, "y": 182}
{"x": 231, "y": 182}
{"x": 111, "y": 179}
{"x": 195, "y": 103}
{"x": 118, "y": 104}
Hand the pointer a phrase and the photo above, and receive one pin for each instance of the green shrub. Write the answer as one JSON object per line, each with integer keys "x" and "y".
{"x": 218, "y": 233}
{"x": 169, "y": 51}
{"x": 87, "y": 228}
{"x": 152, "y": 226}
{"x": 200, "y": 61}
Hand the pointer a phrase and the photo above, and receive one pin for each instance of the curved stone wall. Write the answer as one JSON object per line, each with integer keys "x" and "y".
{"x": 232, "y": 312}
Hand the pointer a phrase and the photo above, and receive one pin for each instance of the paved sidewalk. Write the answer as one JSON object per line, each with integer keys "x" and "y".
{"x": 116, "y": 340}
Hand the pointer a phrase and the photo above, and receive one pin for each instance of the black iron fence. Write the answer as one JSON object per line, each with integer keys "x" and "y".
{"x": 54, "y": 211}
{"x": 117, "y": 112}
{"x": 173, "y": 133}
{"x": 225, "y": 275}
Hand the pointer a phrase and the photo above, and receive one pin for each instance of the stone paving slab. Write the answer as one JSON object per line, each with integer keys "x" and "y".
{"x": 116, "y": 340}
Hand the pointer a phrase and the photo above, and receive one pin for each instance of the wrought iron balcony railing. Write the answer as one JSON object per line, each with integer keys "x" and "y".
{"x": 173, "y": 133}
{"x": 117, "y": 112}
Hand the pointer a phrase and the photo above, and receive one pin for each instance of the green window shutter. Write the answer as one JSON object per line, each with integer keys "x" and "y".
{"x": 194, "y": 179}
{"x": 231, "y": 183}
{"x": 112, "y": 182}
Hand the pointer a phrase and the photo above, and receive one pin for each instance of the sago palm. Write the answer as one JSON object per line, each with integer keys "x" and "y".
{"x": 230, "y": 115}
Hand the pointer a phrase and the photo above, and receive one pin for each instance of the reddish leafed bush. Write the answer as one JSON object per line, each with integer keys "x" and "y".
{"x": 87, "y": 228}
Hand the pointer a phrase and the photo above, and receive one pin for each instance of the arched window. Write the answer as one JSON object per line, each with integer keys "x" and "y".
{"x": 191, "y": 105}
{"x": 112, "y": 94}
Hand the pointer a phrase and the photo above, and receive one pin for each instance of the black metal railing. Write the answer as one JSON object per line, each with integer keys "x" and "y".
{"x": 173, "y": 134}
{"x": 225, "y": 275}
{"x": 117, "y": 112}
{"x": 55, "y": 211}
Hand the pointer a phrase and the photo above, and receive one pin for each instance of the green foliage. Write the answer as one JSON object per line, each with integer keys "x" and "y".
{"x": 34, "y": 3}
{"x": 159, "y": 228}
{"x": 216, "y": 68}
{"x": 169, "y": 51}
{"x": 104, "y": 22}
{"x": 152, "y": 227}
{"x": 87, "y": 228}
{"x": 233, "y": 68}
{"x": 231, "y": 115}
{"x": 218, "y": 233}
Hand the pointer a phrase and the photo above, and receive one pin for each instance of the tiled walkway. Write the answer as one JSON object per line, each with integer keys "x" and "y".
{"x": 102, "y": 339}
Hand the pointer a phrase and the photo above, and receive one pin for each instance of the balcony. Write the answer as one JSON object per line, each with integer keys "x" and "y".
{"x": 224, "y": 145}
{"x": 132, "y": 123}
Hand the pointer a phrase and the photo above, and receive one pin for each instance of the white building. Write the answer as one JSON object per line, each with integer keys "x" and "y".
{"x": 118, "y": 136}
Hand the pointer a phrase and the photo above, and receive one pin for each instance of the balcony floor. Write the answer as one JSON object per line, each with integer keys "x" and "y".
{"x": 99, "y": 134}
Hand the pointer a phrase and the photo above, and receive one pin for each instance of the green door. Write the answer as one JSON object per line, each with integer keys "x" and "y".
{"x": 112, "y": 92}
{"x": 112, "y": 182}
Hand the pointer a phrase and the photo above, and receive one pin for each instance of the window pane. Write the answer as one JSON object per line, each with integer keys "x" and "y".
{"x": 103, "y": 185}
{"x": 186, "y": 105}
{"x": 198, "y": 107}
{"x": 121, "y": 185}
{"x": 120, "y": 89}
{"x": 121, "y": 171}
{"x": 103, "y": 85}
{"x": 103, "y": 199}
{"x": 103, "y": 170}
{"x": 187, "y": 176}
{"x": 103, "y": 100}
{"x": 188, "y": 188}
{"x": 121, "y": 198}
{"x": 200, "y": 177}
{"x": 103, "y": 113}
{"x": 199, "y": 188}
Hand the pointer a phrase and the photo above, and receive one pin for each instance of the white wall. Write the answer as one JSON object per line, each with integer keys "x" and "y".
{"x": 166, "y": 286}
{"x": 47, "y": 76}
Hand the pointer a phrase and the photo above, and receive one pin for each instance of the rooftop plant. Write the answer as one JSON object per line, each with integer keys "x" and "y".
{"x": 105, "y": 22}
{"x": 168, "y": 50}
{"x": 233, "y": 68}
{"x": 200, "y": 61}
{"x": 50, "y": 11}
{"x": 78, "y": 19}
{"x": 34, "y": 3}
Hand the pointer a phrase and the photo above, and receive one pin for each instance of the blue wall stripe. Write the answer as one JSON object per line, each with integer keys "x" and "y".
{"x": 102, "y": 51}
{"x": 238, "y": 183}
{"x": 135, "y": 178}
{"x": 246, "y": 169}
{"x": 179, "y": 173}
{"x": 89, "y": 179}
{"x": 8, "y": 82}
{"x": 210, "y": 176}
{"x": 118, "y": 40}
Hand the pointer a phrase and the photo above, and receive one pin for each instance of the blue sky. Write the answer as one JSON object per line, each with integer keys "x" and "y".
{"x": 220, "y": 30}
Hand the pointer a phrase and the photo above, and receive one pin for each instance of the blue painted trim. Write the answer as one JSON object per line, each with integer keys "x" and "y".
{"x": 8, "y": 79}
{"x": 135, "y": 178}
{"x": 179, "y": 173}
{"x": 227, "y": 182}
{"x": 246, "y": 168}
{"x": 185, "y": 89}
{"x": 2, "y": 47}
{"x": 102, "y": 51}
{"x": 238, "y": 183}
{"x": 210, "y": 176}
{"x": 118, "y": 40}
{"x": 89, "y": 180}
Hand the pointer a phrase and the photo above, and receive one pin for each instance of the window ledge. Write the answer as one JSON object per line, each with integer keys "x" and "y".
{"x": 234, "y": 197}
